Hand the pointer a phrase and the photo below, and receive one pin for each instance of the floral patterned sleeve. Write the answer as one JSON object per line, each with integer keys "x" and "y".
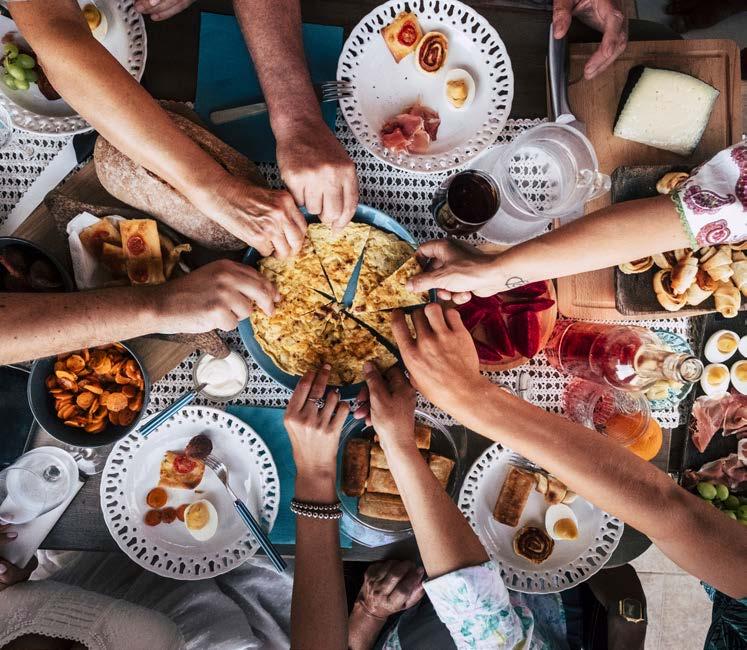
{"x": 474, "y": 605}
{"x": 712, "y": 202}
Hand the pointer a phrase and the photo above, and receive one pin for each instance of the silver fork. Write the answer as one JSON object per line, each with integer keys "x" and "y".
{"x": 524, "y": 463}
{"x": 220, "y": 470}
{"x": 327, "y": 91}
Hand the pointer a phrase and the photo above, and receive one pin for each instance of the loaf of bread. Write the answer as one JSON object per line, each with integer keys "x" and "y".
{"x": 138, "y": 187}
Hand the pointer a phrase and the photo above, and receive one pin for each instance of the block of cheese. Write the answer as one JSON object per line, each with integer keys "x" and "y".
{"x": 664, "y": 109}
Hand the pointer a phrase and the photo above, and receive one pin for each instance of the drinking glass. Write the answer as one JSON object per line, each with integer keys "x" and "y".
{"x": 7, "y": 133}
{"x": 36, "y": 483}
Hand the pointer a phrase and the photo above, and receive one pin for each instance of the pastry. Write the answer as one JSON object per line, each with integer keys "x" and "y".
{"x": 382, "y": 506}
{"x": 533, "y": 544}
{"x": 181, "y": 471}
{"x": 664, "y": 292}
{"x": 441, "y": 468}
{"x": 556, "y": 491}
{"x": 378, "y": 459}
{"x": 670, "y": 181}
{"x": 739, "y": 266}
{"x": 95, "y": 236}
{"x": 142, "y": 250}
{"x": 717, "y": 261}
{"x": 727, "y": 299}
{"x": 393, "y": 292}
{"x": 402, "y": 35}
{"x": 664, "y": 260}
{"x": 702, "y": 288}
{"x": 431, "y": 52}
{"x": 422, "y": 436}
{"x": 355, "y": 466}
{"x": 637, "y": 266}
{"x": 382, "y": 481}
{"x": 513, "y": 496}
{"x": 683, "y": 274}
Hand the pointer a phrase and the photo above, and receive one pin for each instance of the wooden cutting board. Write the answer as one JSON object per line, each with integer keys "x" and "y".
{"x": 159, "y": 356}
{"x": 594, "y": 102}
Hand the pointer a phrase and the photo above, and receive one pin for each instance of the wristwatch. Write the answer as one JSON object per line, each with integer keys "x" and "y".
{"x": 631, "y": 610}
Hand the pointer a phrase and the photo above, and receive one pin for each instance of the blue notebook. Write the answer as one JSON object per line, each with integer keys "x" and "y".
{"x": 268, "y": 423}
{"x": 226, "y": 78}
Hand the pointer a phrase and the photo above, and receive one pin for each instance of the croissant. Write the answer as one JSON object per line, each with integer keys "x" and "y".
{"x": 727, "y": 299}
{"x": 718, "y": 263}
{"x": 683, "y": 275}
{"x": 740, "y": 246}
{"x": 669, "y": 181}
{"x": 739, "y": 266}
{"x": 702, "y": 288}
{"x": 637, "y": 266}
{"x": 665, "y": 260}
{"x": 664, "y": 292}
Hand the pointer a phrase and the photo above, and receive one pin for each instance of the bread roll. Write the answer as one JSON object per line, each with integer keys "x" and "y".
{"x": 355, "y": 464}
{"x": 441, "y": 468}
{"x": 382, "y": 506}
{"x": 664, "y": 292}
{"x": 381, "y": 480}
{"x": 138, "y": 187}
{"x": 727, "y": 299}
{"x": 513, "y": 496}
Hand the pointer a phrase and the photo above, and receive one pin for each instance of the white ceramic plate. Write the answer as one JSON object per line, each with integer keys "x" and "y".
{"x": 132, "y": 470}
{"x": 383, "y": 88}
{"x": 571, "y": 562}
{"x": 125, "y": 39}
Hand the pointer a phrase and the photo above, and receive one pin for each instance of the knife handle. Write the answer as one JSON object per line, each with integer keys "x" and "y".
{"x": 237, "y": 112}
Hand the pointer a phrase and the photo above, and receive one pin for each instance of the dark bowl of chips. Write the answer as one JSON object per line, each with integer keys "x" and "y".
{"x": 26, "y": 267}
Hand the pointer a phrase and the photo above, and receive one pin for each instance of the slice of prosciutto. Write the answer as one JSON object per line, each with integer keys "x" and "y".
{"x": 730, "y": 471}
{"x": 411, "y": 131}
{"x": 709, "y": 415}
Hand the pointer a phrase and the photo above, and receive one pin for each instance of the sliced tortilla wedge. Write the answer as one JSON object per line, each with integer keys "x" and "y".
{"x": 383, "y": 255}
{"x": 339, "y": 252}
{"x": 393, "y": 292}
{"x": 349, "y": 346}
{"x": 381, "y": 321}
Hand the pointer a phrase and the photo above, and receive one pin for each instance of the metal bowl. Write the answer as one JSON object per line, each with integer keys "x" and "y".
{"x": 371, "y": 531}
{"x": 67, "y": 281}
{"x": 42, "y": 406}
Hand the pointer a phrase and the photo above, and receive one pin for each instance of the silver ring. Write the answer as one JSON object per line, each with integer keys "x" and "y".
{"x": 319, "y": 402}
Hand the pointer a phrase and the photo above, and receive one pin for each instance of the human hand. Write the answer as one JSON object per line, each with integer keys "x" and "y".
{"x": 390, "y": 587}
{"x": 10, "y": 574}
{"x": 161, "y": 9}
{"x": 264, "y": 218}
{"x": 391, "y": 407}
{"x": 605, "y": 16}
{"x": 457, "y": 270}
{"x": 215, "y": 296}
{"x": 442, "y": 360}
{"x": 318, "y": 172}
{"x": 315, "y": 432}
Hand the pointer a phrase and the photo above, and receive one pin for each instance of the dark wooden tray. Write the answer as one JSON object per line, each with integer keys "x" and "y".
{"x": 634, "y": 294}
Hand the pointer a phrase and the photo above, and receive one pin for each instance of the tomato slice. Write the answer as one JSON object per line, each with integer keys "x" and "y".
{"x": 136, "y": 245}
{"x": 407, "y": 34}
{"x": 184, "y": 464}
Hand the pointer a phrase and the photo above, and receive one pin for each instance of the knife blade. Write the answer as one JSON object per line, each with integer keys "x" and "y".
{"x": 226, "y": 115}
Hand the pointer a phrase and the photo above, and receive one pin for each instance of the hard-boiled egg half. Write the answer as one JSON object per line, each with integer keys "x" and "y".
{"x": 460, "y": 88}
{"x": 201, "y": 520}
{"x": 721, "y": 346}
{"x": 739, "y": 376}
{"x": 743, "y": 346}
{"x": 715, "y": 379}
{"x": 96, "y": 20}
{"x": 561, "y": 522}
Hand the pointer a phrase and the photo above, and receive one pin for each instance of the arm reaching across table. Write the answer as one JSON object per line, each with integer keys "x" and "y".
{"x": 444, "y": 367}
{"x": 315, "y": 167}
{"x": 93, "y": 82}
{"x": 217, "y": 295}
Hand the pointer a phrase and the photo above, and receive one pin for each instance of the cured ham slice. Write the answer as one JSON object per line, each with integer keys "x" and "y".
{"x": 709, "y": 415}
{"x": 731, "y": 471}
{"x": 412, "y": 130}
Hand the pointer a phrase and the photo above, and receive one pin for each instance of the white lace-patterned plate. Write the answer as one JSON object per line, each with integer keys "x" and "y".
{"x": 571, "y": 562}
{"x": 125, "y": 39}
{"x": 382, "y": 88}
{"x": 132, "y": 470}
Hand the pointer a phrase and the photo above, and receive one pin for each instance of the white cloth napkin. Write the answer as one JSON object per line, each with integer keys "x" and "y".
{"x": 31, "y": 534}
{"x": 89, "y": 274}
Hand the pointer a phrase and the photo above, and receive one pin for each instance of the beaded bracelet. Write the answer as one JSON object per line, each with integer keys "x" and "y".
{"x": 316, "y": 510}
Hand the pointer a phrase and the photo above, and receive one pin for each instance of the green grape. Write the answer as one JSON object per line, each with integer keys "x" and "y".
{"x": 732, "y": 503}
{"x": 9, "y": 81}
{"x": 743, "y": 522}
{"x": 722, "y": 492}
{"x": 730, "y": 513}
{"x": 31, "y": 75}
{"x": 16, "y": 71}
{"x": 22, "y": 84}
{"x": 742, "y": 512}
{"x": 707, "y": 490}
{"x": 10, "y": 50}
{"x": 26, "y": 61}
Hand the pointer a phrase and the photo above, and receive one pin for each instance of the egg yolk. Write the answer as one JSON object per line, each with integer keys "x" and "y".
{"x": 197, "y": 516}
{"x": 456, "y": 90}
{"x": 717, "y": 375}
{"x": 565, "y": 529}
{"x": 726, "y": 343}
{"x": 740, "y": 371}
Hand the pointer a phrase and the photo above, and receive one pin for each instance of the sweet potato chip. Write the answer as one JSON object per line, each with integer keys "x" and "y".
{"x": 113, "y": 417}
{"x": 116, "y": 402}
{"x": 125, "y": 417}
{"x": 130, "y": 391}
{"x": 136, "y": 403}
{"x": 50, "y": 382}
{"x": 59, "y": 365}
{"x": 75, "y": 423}
{"x": 94, "y": 388}
{"x": 95, "y": 426}
{"x": 131, "y": 369}
{"x": 75, "y": 363}
{"x": 122, "y": 379}
{"x": 85, "y": 354}
{"x": 85, "y": 399}
{"x": 67, "y": 384}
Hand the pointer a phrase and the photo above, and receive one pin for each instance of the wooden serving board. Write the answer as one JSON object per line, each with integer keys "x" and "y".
{"x": 159, "y": 356}
{"x": 594, "y": 102}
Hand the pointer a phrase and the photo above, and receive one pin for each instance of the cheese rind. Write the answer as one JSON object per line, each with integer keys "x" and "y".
{"x": 665, "y": 109}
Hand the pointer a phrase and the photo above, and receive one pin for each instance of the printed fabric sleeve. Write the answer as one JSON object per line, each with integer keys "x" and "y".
{"x": 712, "y": 202}
{"x": 474, "y": 605}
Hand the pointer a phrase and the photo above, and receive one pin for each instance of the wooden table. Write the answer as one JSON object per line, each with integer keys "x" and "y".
{"x": 171, "y": 74}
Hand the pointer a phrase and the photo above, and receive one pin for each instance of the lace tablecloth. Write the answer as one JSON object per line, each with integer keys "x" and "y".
{"x": 404, "y": 196}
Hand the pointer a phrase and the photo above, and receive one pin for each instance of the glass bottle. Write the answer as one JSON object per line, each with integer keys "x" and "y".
{"x": 622, "y": 356}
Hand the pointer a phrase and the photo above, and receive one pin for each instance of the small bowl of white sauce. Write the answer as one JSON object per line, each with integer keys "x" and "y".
{"x": 224, "y": 379}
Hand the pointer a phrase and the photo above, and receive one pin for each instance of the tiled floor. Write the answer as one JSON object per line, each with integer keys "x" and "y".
{"x": 679, "y": 611}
